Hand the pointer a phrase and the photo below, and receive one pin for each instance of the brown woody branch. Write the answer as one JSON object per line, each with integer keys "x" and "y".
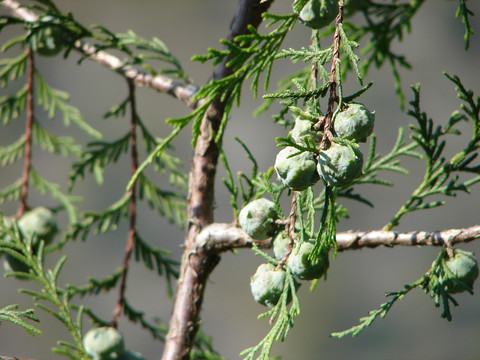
{"x": 28, "y": 135}
{"x": 133, "y": 206}
{"x": 325, "y": 123}
{"x": 198, "y": 264}
{"x": 179, "y": 90}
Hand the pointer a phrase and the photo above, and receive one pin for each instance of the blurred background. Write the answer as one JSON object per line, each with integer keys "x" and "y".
{"x": 357, "y": 280}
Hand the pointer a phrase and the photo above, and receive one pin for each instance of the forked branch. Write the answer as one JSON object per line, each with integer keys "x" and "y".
{"x": 197, "y": 264}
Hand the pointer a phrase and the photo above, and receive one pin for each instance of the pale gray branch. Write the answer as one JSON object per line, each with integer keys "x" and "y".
{"x": 224, "y": 237}
{"x": 220, "y": 237}
{"x": 179, "y": 90}
{"x": 372, "y": 239}
{"x": 18, "y": 11}
{"x": 4, "y": 357}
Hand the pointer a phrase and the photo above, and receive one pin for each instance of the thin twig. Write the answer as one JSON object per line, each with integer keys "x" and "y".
{"x": 292, "y": 236}
{"x": 133, "y": 205}
{"x": 325, "y": 122}
{"x": 373, "y": 239}
{"x": 28, "y": 135}
{"x": 314, "y": 67}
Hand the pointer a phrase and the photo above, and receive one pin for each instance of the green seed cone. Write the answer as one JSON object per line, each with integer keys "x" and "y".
{"x": 300, "y": 265}
{"x": 316, "y": 17}
{"x": 303, "y": 129}
{"x": 297, "y": 172}
{"x": 354, "y": 123}
{"x": 280, "y": 244}
{"x": 464, "y": 267}
{"x": 104, "y": 343}
{"x": 257, "y": 219}
{"x": 339, "y": 165}
{"x": 39, "y": 222}
{"x": 267, "y": 284}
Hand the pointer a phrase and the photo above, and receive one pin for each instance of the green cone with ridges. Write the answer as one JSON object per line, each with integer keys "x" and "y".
{"x": 258, "y": 218}
{"x": 267, "y": 284}
{"x": 354, "y": 123}
{"x": 104, "y": 343}
{"x": 298, "y": 172}
{"x": 316, "y": 17}
{"x": 304, "y": 268}
{"x": 339, "y": 165}
{"x": 464, "y": 267}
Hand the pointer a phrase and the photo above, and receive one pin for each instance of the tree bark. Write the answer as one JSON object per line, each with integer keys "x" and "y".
{"x": 198, "y": 264}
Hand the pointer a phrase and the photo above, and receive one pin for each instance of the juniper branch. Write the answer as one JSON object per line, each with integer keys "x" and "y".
{"x": 183, "y": 92}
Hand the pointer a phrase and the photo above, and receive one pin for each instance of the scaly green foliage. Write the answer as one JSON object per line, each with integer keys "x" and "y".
{"x": 203, "y": 349}
{"x": 441, "y": 176}
{"x": 248, "y": 56}
{"x": 97, "y": 156}
{"x": 11, "y": 314}
{"x": 52, "y": 299}
{"x": 386, "y": 23}
{"x": 463, "y": 12}
{"x": 395, "y": 19}
{"x": 432, "y": 284}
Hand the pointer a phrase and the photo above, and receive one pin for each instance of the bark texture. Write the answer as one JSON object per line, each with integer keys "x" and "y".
{"x": 197, "y": 263}
{"x": 220, "y": 238}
